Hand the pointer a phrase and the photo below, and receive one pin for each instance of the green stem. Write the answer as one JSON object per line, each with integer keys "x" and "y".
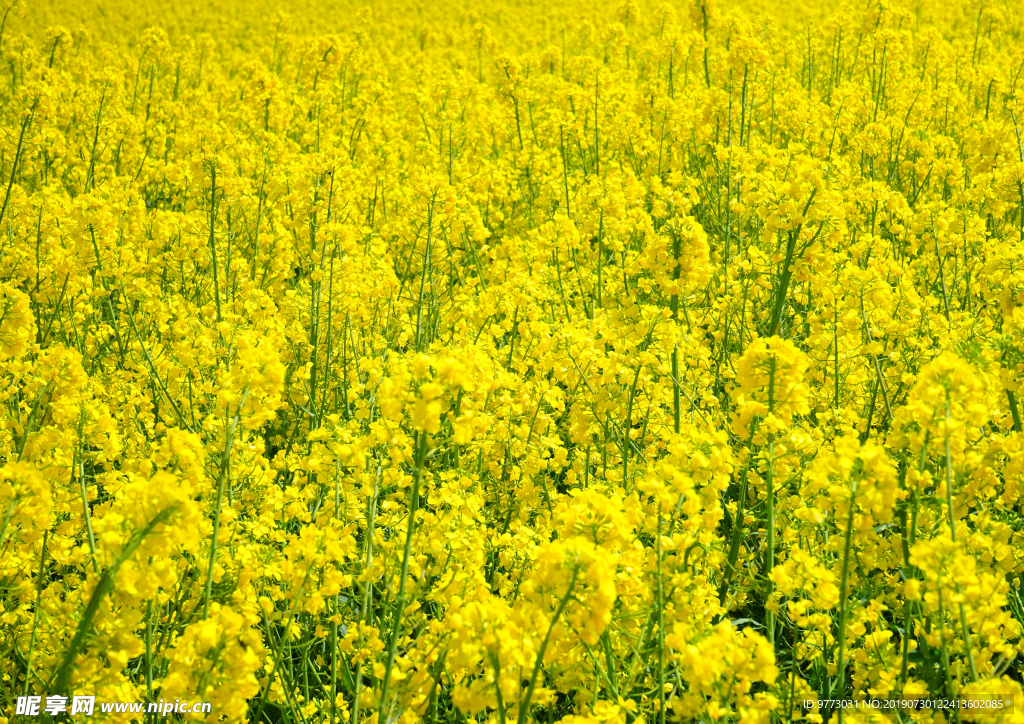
{"x": 539, "y": 663}
{"x": 371, "y": 509}
{"x": 222, "y": 477}
{"x": 674, "y": 303}
{"x": 952, "y": 535}
{"x": 213, "y": 243}
{"x": 1011, "y": 398}
{"x": 770, "y": 504}
{"x": 414, "y": 498}
{"x": 840, "y": 689}
{"x": 661, "y": 629}
{"x": 35, "y": 615}
{"x": 17, "y": 154}
{"x": 61, "y": 681}
{"x": 787, "y": 274}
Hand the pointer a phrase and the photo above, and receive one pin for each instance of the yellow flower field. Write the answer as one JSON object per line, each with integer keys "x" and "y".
{"x": 512, "y": 360}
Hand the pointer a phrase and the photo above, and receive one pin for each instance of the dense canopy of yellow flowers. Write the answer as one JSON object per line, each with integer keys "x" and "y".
{"x": 509, "y": 361}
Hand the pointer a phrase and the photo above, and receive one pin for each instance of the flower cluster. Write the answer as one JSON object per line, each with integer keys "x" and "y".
{"x": 501, "y": 362}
